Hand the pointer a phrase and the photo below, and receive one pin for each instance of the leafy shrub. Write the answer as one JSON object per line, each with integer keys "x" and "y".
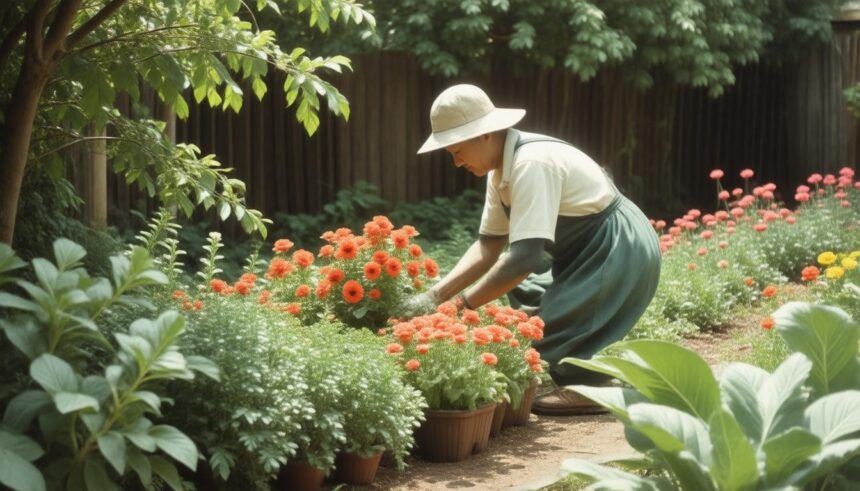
{"x": 92, "y": 421}
{"x": 794, "y": 427}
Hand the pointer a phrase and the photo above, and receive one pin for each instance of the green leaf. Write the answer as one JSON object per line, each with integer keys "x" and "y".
{"x": 68, "y": 254}
{"x": 16, "y": 302}
{"x": 734, "y": 465}
{"x": 835, "y": 416}
{"x": 69, "y": 402}
{"x": 785, "y": 452}
{"x": 781, "y": 399}
{"x": 204, "y": 366}
{"x": 151, "y": 399}
{"x": 18, "y": 474}
{"x": 166, "y": 471}
{"x": 95, "y": 476}
{"x": 141, "y": 466}
{"x": 224, "y": 210}
{"x": 97, "y": 91}
{"x": 21, "y": 445}
{"x": 113, "y": 449}
{"x": 739, "y": 385}
{"x": 828, "y": 337}
{"x": 617, "y": 400}
{"x": 53, "y": 374}
{"x": 21, "y": 410}
{"x": 830, "y": 458}
{"x": 174, "y": 443}
{"x": 26, "y": 336}
{"x": 592, "y": 472}
{"x": 46, "y": 272}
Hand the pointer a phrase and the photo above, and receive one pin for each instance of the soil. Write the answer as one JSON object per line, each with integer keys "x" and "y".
{"x": 529, "y": 457}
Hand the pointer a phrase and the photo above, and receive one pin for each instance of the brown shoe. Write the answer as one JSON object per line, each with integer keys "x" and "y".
{"x": 565, "y": 402}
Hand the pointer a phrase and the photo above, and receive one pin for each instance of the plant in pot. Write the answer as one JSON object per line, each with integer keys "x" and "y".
{"x": 444, "y": 361}
{"x": 380, "y": 411}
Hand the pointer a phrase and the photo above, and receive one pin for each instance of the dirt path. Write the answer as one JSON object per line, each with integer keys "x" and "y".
{"x": 529, "y": 457}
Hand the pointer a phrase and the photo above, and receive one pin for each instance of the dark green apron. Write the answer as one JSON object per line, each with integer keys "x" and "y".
{"x": 604, "y": 273}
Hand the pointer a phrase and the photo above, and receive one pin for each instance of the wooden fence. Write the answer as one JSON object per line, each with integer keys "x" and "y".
{"x": 660, "y": 144}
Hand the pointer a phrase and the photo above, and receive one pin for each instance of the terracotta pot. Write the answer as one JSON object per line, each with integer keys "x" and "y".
{"x": 453, "y": 435}
{"x": 355, "y": 469}
{"x": 300, "y": 476}
{"x": 519, "y": 417}
{"x": 498, "y": 419}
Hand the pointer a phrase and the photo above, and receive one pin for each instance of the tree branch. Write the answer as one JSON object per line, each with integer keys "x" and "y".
{"x": 127, "y": 35}
{"x": 81, "y": 140}
{"x": 94, "y": 21}
{"x": 36, "y": 29}
{"x": 64, "y": 17}
{"x": 11, "y": 41}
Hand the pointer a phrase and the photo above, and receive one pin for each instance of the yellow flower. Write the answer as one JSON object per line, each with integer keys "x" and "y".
{"x": 854, "y": 255}
{"x": 849, "y": 263}
{"x": 834, "y": 272}
{"x": 826, "y": 258}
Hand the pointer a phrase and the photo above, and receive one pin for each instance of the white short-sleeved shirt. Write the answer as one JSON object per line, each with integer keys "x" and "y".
{"x": 540, "y": 182}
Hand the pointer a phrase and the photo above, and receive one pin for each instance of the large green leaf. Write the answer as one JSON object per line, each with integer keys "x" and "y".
{"x": 828, "y": 337}
{"x": 830, "y": 458}
{"x": 96, "y": 477}
{"x": 67, "y": 253}
{"x": 739, "y": 385}
{"x": 141, "y": 466}
{"x": 113, "y": 449}
{"x": 615, "y": 399}
{"x": 786, "y": 451}
{"x": 672, "y": 431}
{"x": 174, "y": 443}
{"x": 734, "y": 461}
{"x": 166, "y": 471}
{"x": 781, "y": 398}
{"x": 24, "y": 407}
{"x": 53, "y": 374}
{"x": 18, "y": 474}
{"x": 69, "y": 402}
{"x": 835, "y": 416}
{"x": 620, "y": 480}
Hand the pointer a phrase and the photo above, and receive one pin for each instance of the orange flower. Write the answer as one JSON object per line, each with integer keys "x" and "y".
{"x": 481, "y": 336}
{"x": 372, "y": 271}
{"x": 282, "y": 245}
{"x": 394, "y": 348}
{"x": 470, "y": 317}
{"x": 323, "y": 288}
{"x": 384, "y": 224}
{"x": 422, "y": 349}
{"x": 303, "y": 291}
{"x": 326, "y": 251}
{"x": 460, "y": 338}
{"x": 334, "y": 275}
{"x": 400, "y": 239}
{"x": 353, "y": 291}
{"x": 413, "y": 268}
{"x": 489, "y": 359}
{"x": 381, "y": 331}
{"x": 417, "y": 283}
{"x": 346, "y": 250}
{"x": 748, "y": 281}
{"x": 264, "y": 297}
{"x": 415, "y": 250}
{"x": 218, "y": 286}
{"x": 393, "y": 266}
{"x": 279, "y": 268}
{"x": 242, "y": 288}
{"x": 178, "y": 294}
{"x": 198, "y": 304}
{"x": 412, "y": 365}
{"x": 375, "y": 294}
{"x": 768, "y": 291}
{"x": 514, "y": 343}
{"x": 380, "y": 257}
{"x": 409, "y": 230}
{"x": 294, "y": 309}
{"x": 248, "y": 278}
{"x": 531, "y": 356}
{"x": 767, "y": 323}
{"x": 431, "y": 268}
{"x": 303, "y": 258}
{"x": 328, "y": 236}
{"x": 809, "y": 273}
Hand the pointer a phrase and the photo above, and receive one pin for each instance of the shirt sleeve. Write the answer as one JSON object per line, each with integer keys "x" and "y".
{"x": 536, "y": 190}
{"x": 494, "y": 220}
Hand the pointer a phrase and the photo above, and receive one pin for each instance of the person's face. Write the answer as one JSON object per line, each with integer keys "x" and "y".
{"x": 477, "y": 155}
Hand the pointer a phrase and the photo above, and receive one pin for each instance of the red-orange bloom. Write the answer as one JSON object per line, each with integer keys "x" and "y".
{"x": 470, "y": 317}
{"x": 748, "y": 281}
{"x": 375, "y": 294}
{"x": 242, "y": 288}
{"x": 768, "y": 291}
{"x": 767, "y": 323}
{"x": 409, "y": 230}
{"x": 393, "y": 348}
{"x": 178, "y": 294}
{"x": 334, "y": 275}
{"x": 303, "y": 291}
{"x": 412, "y": 365}
{"x": 248, "y": 278}
{"x": 346, "y": 250}
{"x": 380, "y": 257}
{"x": 326, "y": 251}
{"x": 422, "y": 349}
{"x": 384, "y": 224}
{"x": 323, "y": 288}
{"x": 392, "y": 267}
{"x": 431, "y": 268}
{"x": 279, "y": 268}
{"x": 372, "y": 271}
{"x": 531, "y": 356}
{"x": 282, "y": 245}
{"x": 415, "y": 250}
{"x": 460, "y": 338}
{"x": 294, "y": 309}
{"x": 481, "y": 336}
{"x": 353, "y": 292}
{"x": 400, "y": 239}
{"x": 303, "y": 258}
{"x": 186, "y": 305}
{"x": 489, "y": 359}
{"x": 218, "y": 286}
{"x": 264, "y": 297}
{"x": 514, "y": 343}
{"x": 198, "y": 304}
{"x": 413, "y": 268}
{"x": 809, "y": 273}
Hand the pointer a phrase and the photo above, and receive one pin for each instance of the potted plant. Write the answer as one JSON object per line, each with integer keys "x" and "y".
{"x": 380, "y": 412}
{"x": 446, "y": 362}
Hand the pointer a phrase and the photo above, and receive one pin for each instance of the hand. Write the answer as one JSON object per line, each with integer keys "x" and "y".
{"x": 421, "y": 304}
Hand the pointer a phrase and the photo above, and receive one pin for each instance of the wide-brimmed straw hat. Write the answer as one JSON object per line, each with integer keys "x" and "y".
{"x": 463, "y": 112}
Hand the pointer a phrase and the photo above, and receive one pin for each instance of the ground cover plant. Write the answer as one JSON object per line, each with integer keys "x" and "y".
{"x": 750, "y": 429}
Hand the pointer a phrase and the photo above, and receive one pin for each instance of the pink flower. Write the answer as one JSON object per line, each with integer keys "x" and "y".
{"x": 723, "y": 264}
{"x": 723, "y": 244}
{"x": 737, "y": 192}
{"x": 829, "y": 180}
{"x": 846, "y": 172}
{"x": 814, "y": 179}
{"x": 759, "y": 227}
{"x": 660, "y": 224}
{"x": 716, "y": 174}
{"x": 702, "y": 251}
{"x": 747, "y": 173}
{"x": 802, "y": 189}
{"x": 801, "y": 197}
{"x": 707, "y": 234}
{"x": 791, "y": 220}
{"x": 724, "y": 195}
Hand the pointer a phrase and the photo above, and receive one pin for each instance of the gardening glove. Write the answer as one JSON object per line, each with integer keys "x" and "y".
{"x": 421, "y": 304}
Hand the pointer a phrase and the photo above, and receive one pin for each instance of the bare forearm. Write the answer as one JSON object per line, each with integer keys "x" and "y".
{"x": 494, "y": 284}
{"x": 477, "y": 260}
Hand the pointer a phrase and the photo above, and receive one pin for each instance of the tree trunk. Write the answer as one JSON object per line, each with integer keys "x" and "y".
{"x": 15, "y": 141}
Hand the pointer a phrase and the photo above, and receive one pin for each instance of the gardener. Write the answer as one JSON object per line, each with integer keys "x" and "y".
{"x": 545, "y": 195}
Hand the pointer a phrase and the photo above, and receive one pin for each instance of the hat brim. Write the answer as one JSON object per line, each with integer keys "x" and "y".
{"x": 495, "y": 120}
